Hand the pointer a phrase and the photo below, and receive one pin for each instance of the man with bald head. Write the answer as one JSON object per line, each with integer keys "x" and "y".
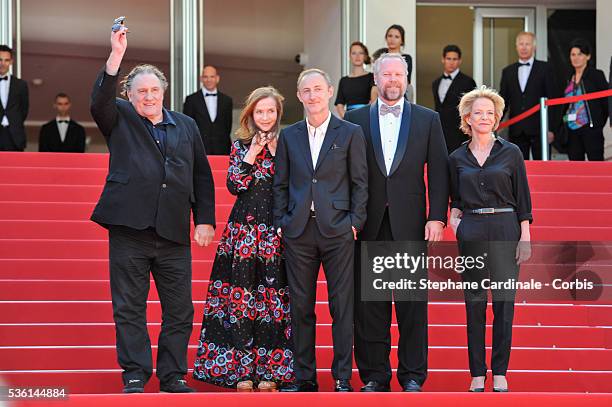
{"x": 212, "y": 111}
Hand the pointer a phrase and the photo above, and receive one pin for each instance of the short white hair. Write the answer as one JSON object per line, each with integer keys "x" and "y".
{"x": 388, "y": 56}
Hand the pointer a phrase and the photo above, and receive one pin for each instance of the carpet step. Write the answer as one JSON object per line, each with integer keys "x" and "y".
{"x": 439, "y": 313}
{"x": 103, "y": 334}
{"x": 444, "y": 380}
{"x": 97, "y": 269}
{"x": 101, "y": 358}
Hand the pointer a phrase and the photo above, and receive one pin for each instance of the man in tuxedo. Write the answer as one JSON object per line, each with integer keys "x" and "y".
{"x": 447, "y": 91}
{"x": 62, "y": 134}
{"x": 522, "y": 85}
{"x": 320, "y": 196}
{"x": 212, "y": 111}
{"x": 14, "y": 105}
{"x": 158, "y": 176}
{"x": 402, "y": 139}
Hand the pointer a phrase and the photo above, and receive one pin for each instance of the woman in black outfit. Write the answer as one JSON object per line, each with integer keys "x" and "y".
{"x": 490, "y": 213}
{"x": 395, "y": 38}
{"x": 357, "y": 89}
{"x": 585, "y": 119}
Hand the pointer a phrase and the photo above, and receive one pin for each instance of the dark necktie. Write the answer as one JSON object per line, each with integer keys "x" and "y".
{"x": 211, "y": 94}
{"x": 524, "y": 64}
{"x": 63, "y": 121}
{"x": 394, "y": 110}
{"x": 447, "y": 77}
{"x": 3, "y": 78}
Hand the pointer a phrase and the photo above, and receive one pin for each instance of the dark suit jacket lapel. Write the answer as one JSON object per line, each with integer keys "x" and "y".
{"x": 533, "y": 72}
{"x": 448, "y": 99}
{"x": 330, "y": 136}
{"x": 402, "y": 140}
{"x": 375, "y": 136}
{"x": 302, "y": 140}
{"x": 11, "y": 93}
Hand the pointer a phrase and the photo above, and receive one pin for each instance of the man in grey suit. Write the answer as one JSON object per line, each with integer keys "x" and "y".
{"x": 320, "y": 196}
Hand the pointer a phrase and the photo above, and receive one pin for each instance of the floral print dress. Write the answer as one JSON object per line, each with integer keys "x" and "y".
{"x": 246, "y": 328}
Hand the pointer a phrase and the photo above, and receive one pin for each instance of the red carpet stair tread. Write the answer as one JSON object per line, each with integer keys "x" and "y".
{"x": 56, "y": 321}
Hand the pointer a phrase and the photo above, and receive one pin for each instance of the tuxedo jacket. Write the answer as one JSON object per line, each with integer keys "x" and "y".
{"x": 145, "y": 188}
{"x": 338, "y": 184}
{"x": 420, "y": 147}
{"x": 449, "y": 114}
{"x": 215, "y": 135}
{"x": 16, "y": 111}
{"x": 49, "y": 138}
{"x": 541, "y": 83}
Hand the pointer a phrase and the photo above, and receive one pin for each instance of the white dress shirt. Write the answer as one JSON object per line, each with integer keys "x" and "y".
{"x": 389, "y": 133}
{"x": 4, "y": 94}
{"x": 316, "y": 135}
{"x": 211, "y": 103}
{"x": 523, "y": 72}
{"x": 445, "y": 84}
{"x": 62, "y": 127}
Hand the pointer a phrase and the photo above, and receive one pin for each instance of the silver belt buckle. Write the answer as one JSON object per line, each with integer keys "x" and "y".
{"x": 485, "y": 211}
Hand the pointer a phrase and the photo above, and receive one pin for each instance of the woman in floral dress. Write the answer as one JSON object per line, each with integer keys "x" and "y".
{"x": 246, "y": 329}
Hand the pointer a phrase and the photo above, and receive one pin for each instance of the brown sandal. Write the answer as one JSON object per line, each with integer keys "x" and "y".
{"x": 266, "y": 386}
{"x": 245, "y": 386}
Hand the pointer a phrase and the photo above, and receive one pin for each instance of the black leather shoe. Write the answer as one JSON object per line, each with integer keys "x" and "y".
{"x": 373, "y": 386}
{"x": 411, "y": 386}
{"x": 343, "y": 385}
{"x": 301, "y": 386}
{"x": 178, "y": 385}
{"x": 134, "y": 386}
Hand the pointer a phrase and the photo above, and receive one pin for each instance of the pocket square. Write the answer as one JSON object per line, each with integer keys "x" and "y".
{"x": 334, "y": 146}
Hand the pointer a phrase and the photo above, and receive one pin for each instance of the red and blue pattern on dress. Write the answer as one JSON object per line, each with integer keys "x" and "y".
{"x": 246, "y": 329}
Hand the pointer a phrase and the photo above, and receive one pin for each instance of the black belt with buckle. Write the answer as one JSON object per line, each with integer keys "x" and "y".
{"x": 490, "y": 211}
{"x": 313, "y": 214}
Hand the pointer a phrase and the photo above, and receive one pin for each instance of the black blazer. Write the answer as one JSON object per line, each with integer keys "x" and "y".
{"x": 216, "y": 135}
{"x": 420, "y": 142}
{"x": 143, "y": 188}
{"x": 541, "y": 83}
{"x": 449, "y": 114}
{"x": 49, "y": 138}
{"x": 338, "y": 185}
{"x": 594, "y": 80}
{"x": 16, "y": 111}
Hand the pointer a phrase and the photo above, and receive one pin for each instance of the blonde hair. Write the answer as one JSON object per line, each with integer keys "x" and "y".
{"x": 468, "y": 99}
{"x": 526, "y": 34}
{"x": 247, "y": 128}
{"x": 126, "y": 83}
{"x": 313, "y": 71}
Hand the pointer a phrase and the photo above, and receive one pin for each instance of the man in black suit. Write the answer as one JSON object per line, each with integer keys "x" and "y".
{"x": 447, "y": 91}
{"x": 14, "y": 105}
{"x": 522, "y": 85}
{"x": 158, "y": 175}
{"x": 212, "y": 111}
{"x": 402, "y": 138}
{"x": 320, "y": 195}
{"x": 62, "y": 134}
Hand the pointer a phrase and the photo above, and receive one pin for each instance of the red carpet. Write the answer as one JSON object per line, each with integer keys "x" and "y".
{"x": 56, "y": 321}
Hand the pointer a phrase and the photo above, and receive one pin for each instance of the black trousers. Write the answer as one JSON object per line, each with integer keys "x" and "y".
{"x": 373, "y": 332}
{"x": 585, "y": 140}
{"x": 134, "y": 255}
{"x": 6, "y": 141}
{"x": 304, "y": 256}
{"x": 497, "y": 236}
{"x": 527, "y": 142}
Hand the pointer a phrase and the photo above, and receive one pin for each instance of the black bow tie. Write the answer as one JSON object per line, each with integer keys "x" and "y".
{"x": 524, "y": 64}
{"x": 447, "y": 77}
{"x": 211, "y": 94}
{"x": 63, "y": 121}
{"x": 4, "y": 78}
